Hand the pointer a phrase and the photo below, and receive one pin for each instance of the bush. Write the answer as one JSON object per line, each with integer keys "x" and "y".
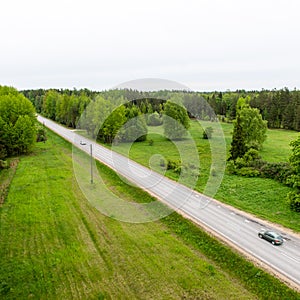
{"x": 251, "y": 165}
{"x": 278, "y": 171}
{"x": 154, "y": 119}
{"x": 294, "y": 200}
{"x": 4, "y": 164}
{"x": 248, "y": 172}
{"x": 41, "y": 135}
{"x": 174, "y": 165}
{"x": 251, "y": 155}
{"x": 230, "y": 166}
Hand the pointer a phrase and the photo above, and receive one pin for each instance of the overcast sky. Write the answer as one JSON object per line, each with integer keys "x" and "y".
{"x": 203, "y": 44}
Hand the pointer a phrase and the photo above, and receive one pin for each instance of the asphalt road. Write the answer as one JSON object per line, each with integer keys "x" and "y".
{"x": 232, "y": 225}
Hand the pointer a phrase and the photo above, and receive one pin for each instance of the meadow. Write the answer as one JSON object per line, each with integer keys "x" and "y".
{"x": 56, "y": 245}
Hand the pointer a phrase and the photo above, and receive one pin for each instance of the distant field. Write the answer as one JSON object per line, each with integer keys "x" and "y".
{"x": 265, "y": 198}
{"x": 54, "y": 245}
{"x": 277, "y": 146}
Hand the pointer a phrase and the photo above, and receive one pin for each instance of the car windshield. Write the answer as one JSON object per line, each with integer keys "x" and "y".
{"x": 276, "y": 235}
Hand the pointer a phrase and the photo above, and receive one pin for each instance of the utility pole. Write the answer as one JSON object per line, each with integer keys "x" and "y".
{"x": 91, "y": 148}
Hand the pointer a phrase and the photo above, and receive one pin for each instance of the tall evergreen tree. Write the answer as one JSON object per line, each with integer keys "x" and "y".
{"x": 238, "y": 145}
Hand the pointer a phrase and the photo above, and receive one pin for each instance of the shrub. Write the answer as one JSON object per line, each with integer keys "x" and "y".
{"x": 174, "y": 165}
{"x": 230, "y": 166}
{"x": 251, "y": 155}
{"x": 251, "y": 165}
{"x": 154, "y": 119}
{"x": 41, "y": 135}
{"x": 294, "y": 200}
{"x": 278, "y": 171}
{"x": 4, "y": 164}
{"x": 248, "y": 172}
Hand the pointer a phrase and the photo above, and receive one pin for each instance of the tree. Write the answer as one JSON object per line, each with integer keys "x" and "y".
{"x": 135, "y": 129}
{"x": 154, "y": 119}
{"x": 112, "y": 125}
{"x": 17, "y": 122}
{"x": 49, "y": 104}
{"x": 249, "y": 130}
{"x": 254, "y": 126}
{"x": 238, "y": 145}
{"x": 176, "y": 121}
{"x": 294, "y": 196}
{"x": 95, "y": 114}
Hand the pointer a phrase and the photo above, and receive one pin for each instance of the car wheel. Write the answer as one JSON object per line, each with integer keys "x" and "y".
{"x": 273, "y": 243}
{"x": 260, "y": 236}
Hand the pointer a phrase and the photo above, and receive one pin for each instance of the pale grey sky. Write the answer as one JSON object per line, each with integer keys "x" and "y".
{"x": 203, "y": 44}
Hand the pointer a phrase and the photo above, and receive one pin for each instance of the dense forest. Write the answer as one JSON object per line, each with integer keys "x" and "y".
{"x": 280, "y": 108}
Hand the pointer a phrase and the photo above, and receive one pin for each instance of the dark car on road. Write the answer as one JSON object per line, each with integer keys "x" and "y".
{"x": 271, "y": 236}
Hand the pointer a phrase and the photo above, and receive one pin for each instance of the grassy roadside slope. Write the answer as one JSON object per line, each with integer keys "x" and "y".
{"x": 54, "y": 245}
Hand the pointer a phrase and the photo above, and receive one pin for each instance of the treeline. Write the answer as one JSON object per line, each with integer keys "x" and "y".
{"x": 17, "y": 124}
{"x": 280, "y": 108}
{"x": 110, "y": 116}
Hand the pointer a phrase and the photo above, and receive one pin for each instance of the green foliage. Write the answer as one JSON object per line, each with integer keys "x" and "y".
{"x": 174, "y": 165}
{"x": 242, "y": 168}
{"x": 254, "y": 126}
{"x": 294, "y": 179}
{"x": 49, "y": 104}
{"x": 294, "y": 200}
{"x": 238, "y": 145}
{"x": 17, "y": 123}
{"x": 295, "y": 157}
{"x": 134, "y": 129}
{"x": 251, "y": 165}
{"x": 249, "y": 129}
{"x": 176, "y": 121}
{"x": 4, "y": 164}
{"x": 95, "y": 115}
{"x": 280, "y": 171}
{"x": 112, "y": 125}
{"x": 154, "y": 119}
{"x": 41, "y": 134}
{"x": 280, "y": 108}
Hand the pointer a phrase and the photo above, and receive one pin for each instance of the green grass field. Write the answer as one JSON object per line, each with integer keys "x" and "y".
{"x": 55, "y": 245}
{"x": 265, "y": 198}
